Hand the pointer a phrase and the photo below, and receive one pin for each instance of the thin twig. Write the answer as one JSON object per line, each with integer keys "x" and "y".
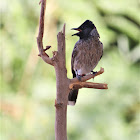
{"x": 47, "y": 47}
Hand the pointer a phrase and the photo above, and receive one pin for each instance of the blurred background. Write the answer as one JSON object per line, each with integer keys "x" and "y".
{"x": 27, "y": 84}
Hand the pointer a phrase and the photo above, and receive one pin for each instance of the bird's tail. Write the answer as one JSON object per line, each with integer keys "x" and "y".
{"x": 72, "y": 97}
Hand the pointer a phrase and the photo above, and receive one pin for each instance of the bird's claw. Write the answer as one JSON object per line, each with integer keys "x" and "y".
{"x": 93, "y": 72}
{"x": 79, "y": 77}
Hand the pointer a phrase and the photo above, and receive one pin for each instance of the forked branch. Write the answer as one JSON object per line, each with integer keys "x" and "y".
{"x": 42, "y": 53}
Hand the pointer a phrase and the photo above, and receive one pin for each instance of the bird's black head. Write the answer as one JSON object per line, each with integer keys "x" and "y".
{"x": 84, "y": 29}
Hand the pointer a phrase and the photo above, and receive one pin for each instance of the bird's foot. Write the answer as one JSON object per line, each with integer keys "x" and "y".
{"x": 93, "y": 72}
{"x": 79, "y": 77}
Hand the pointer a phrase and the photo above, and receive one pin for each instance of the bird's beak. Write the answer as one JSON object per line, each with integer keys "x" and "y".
{"x": 77, "y": 30}
{"x": 75, "y": 34}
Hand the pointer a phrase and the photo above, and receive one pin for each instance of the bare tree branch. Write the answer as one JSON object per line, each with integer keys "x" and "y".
{"x": 42, "y": 53}
{"x": 76, "y": 84}
{"x": 62, "y": 84}
{"x": 79, "y": 85}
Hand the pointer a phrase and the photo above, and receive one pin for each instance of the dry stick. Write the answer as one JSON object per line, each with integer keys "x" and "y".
{"x": 42, "y": 53}
{"x": 88, "y": 85}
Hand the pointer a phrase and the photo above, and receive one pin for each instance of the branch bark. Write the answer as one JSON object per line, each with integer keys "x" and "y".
{"x": 79, "y": 85}
{"x": 42, "y": 53}
{"x": 62, "y": 84}
{"x": 76, "y": 84}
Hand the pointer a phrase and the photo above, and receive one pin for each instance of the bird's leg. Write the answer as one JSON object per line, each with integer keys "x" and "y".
{"x": 79, "y": 76}
{"x": 93, "y": 72}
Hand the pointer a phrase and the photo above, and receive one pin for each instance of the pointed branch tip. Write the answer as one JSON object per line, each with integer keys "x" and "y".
{"x": 64, "y": 26}
{"x": 40, "y": 2}
{"x": 39, "y": 55}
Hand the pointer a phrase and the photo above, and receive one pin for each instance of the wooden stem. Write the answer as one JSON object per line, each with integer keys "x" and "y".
{"x": 62, "y": 84}
{"x": 42, "y": 53}
{"x": 79, "y": 85}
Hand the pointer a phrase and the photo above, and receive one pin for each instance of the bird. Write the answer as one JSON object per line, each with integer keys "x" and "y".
{"x": 86, "y": 54}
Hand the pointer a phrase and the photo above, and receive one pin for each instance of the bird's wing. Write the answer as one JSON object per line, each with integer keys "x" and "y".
{"x": 74, "y": 54}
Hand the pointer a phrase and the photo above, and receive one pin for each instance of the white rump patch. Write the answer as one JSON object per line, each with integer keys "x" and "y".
{"x": 72, "y": 103}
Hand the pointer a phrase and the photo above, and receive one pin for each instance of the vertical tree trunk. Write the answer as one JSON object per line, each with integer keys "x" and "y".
{"x": 62, "y": 84}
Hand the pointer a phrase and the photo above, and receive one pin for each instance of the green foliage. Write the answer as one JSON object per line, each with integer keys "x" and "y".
{"x": 28, "y": 84}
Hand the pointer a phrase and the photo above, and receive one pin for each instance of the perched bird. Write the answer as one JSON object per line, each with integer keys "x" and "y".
{"x": 86, "y": 54}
